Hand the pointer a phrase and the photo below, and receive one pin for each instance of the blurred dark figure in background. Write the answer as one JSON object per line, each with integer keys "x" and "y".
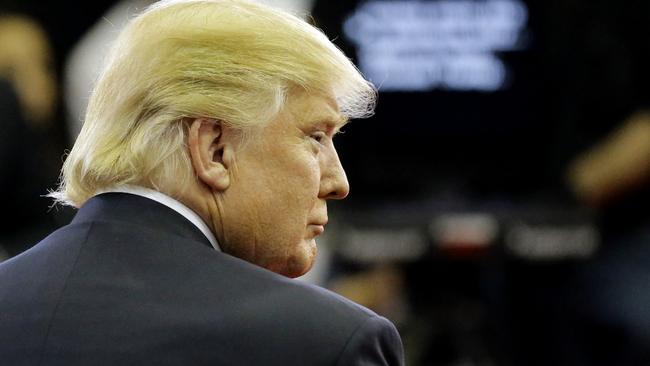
{"x": 26, "y": 60}
{"x": 600, "y": 53}
{"x": 11, "y": 162}
{"x": 28, "y": 161}
{"x": 614, "y": 178}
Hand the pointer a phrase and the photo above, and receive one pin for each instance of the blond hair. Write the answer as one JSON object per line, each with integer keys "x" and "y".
{"x": 230, "y": 60}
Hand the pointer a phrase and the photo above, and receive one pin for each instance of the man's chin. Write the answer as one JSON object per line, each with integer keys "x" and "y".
{"x": 301, "y": 262}
{"x": 295, "y": 265}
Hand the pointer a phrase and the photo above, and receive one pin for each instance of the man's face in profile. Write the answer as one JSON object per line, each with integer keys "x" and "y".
{"x": 281, "y": 182}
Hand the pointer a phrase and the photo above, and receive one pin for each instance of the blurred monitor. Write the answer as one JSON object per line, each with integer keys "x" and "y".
{"x": 459, "y": 104}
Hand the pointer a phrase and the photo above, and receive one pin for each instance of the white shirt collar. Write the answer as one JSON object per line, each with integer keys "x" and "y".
{"x": 175, "y": 205}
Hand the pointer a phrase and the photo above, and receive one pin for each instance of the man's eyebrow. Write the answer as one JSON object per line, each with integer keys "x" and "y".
{"x": 334, "y": 124}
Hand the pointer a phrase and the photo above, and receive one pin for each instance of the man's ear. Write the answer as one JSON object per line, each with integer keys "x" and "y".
{"x": 212, "y": 152}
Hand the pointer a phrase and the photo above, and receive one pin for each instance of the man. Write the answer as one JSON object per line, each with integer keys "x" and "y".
{"x": 201, "y": 175}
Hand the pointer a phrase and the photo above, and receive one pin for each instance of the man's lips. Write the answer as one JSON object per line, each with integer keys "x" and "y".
{"x": 317, "y": 227}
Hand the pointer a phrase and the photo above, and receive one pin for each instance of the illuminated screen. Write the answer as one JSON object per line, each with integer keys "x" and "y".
{"x": 425, "y": 45}
{"x": 458, "y": 102}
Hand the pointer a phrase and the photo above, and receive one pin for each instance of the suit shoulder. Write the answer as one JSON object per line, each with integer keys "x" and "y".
{"x": 329, "y": 327}
{"x": 331, "y": 299}
{"x": 374, "y": 342}
{"x": 355, "y": 333}
{"x": 301, "y": 296}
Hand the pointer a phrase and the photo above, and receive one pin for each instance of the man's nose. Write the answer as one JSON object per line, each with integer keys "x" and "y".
{"x": 334, "y": 183}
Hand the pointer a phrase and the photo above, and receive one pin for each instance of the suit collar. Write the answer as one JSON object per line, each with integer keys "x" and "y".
{"x": 141, "y": 211}
{"x": 170, "y": 202}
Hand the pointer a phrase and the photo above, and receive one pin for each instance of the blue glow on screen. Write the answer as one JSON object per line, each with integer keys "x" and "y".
{"x": 438, "y": 44}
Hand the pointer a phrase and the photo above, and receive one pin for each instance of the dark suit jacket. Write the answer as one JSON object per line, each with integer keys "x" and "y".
{"x": 132, "y": 282}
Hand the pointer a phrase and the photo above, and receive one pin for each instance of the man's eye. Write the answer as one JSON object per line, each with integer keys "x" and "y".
{"x": 318, "y": 136}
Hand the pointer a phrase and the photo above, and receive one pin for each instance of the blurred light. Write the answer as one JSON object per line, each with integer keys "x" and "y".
{"x": 422, "y": 45}
{"x": 471, "y": 230}
{"x": 385, "y": 244}
{"x": 552, "y": 242}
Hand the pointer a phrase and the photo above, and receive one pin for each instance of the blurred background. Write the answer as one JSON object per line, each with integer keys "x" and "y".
{"x": 500, "y": 203}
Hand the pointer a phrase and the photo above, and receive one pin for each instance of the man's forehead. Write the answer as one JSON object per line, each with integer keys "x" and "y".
{"x": 319, "y": 110}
